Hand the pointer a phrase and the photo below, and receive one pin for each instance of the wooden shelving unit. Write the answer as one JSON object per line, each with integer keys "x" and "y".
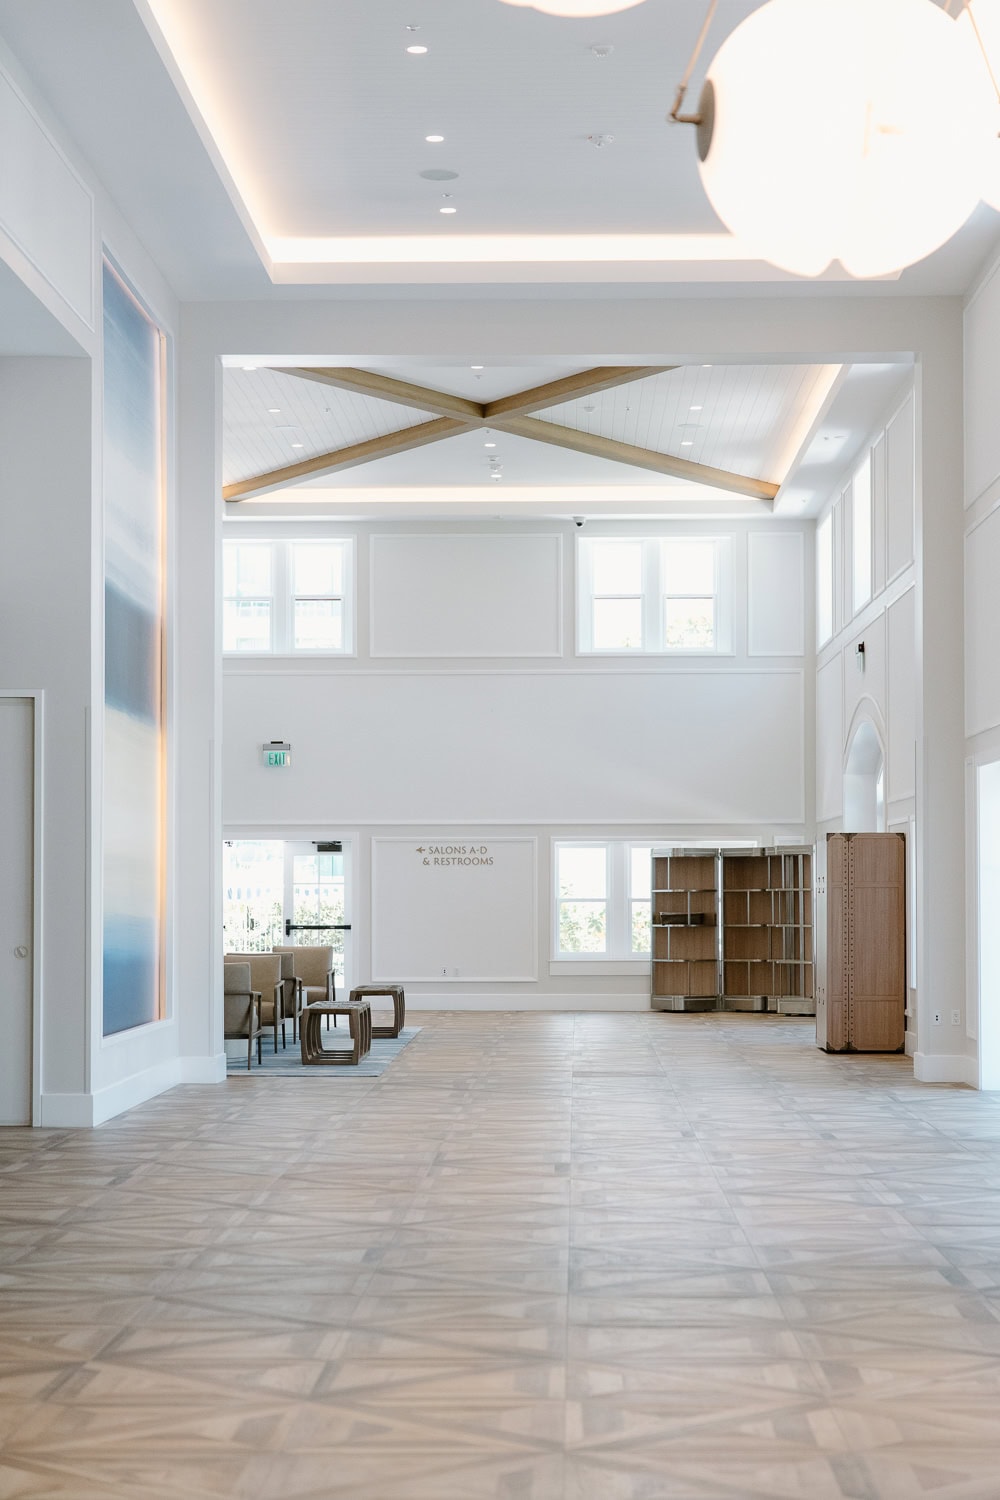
{"x": 733, "y": 929}
{"x": 767, "y": 931}
{"x": 685, "y": 960}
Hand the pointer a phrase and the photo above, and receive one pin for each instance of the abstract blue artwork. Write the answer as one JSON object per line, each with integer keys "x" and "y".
{"x": 134, "y": 719}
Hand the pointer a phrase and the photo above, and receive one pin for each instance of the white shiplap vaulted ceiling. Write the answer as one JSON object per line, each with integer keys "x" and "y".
{"x": 750, "y": 420}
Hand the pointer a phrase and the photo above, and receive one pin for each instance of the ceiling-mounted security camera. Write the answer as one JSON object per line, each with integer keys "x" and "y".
{"x": 579, "y": 521}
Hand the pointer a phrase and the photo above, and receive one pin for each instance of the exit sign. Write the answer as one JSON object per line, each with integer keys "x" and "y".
{"x": 276, "y": 754}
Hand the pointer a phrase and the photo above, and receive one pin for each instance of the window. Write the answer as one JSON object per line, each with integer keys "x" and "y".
{"x": 689, "y": 589}
{"x": 861, "y": 532}
{"x": 824, "y": 578}
{"x": 318, "y": 596}
{"x": 602, "y": 900}
{"x": 248, "y": 603}
{"x": 654, "y": 594}
{"x": 287, "y": 596}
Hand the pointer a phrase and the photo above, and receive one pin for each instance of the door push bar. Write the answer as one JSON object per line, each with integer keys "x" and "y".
{"x": 291, "y": 927}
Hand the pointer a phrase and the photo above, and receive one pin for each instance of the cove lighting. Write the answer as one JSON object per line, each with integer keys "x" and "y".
{"x": 577, "y": 8}
{"x": 505, "y": 248}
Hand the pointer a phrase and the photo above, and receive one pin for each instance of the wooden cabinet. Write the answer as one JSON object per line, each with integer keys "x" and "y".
{"x": 861, "y": 994}
{"x": 732, "y": 928}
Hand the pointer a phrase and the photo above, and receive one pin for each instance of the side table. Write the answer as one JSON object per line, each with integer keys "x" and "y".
{"x": 395, "y": 992}
{"x": 359, "y": 1014}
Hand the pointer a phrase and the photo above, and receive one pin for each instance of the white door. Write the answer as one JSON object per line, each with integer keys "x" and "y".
{"x": 16, "y": 908}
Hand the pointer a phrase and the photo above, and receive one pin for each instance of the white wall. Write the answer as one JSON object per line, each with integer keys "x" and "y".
{"x": 880, "y": 687}
{"x": 531, "y": 739}
{"x": 982, "y": 634}
{"x": 55, "y": 220}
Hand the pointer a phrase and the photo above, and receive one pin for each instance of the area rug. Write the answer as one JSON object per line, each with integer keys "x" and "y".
{"x": 288, "y": 1063}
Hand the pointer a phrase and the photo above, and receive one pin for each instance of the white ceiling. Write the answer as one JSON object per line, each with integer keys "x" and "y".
{"x": 320, "y": 116}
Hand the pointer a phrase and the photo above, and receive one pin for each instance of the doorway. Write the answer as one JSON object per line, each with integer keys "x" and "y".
{"x": 17, "y": 916}
{"x": 284, "y": 891}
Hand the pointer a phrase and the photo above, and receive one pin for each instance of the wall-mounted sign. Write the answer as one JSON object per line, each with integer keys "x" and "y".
{"x": 276, "y": 753}
{"x": 455, "y": 854}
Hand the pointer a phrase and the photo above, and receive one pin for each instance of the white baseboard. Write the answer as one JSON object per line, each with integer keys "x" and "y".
{"x": 78, "y": 1111}
{"x": 203, "y": 1069}
{"x": 66, "y": 1111}
{"x": 945, "y": 1067}
{"x": 612, "y": 1001}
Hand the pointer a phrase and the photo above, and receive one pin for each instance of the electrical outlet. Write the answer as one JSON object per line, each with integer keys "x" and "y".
{"x": 937, "y": 1018}
{"x": 956, "y": 1018}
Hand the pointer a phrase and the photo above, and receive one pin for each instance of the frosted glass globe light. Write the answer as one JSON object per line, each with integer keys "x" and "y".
{"x": 986, "y": 14}
{"x": 846, "y": 129}
{"x": 572, "y": 8}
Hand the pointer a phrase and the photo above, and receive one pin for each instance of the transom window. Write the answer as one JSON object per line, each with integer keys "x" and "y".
{"x": 654, "y": 594}
{"x": 602, "y": 899}
{"x": 287, "y": 596}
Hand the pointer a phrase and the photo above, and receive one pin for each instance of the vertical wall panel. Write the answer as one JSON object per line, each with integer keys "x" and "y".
{"x": 776, "y": 593}
{"x": 982, "y": 626}
{"x": 829, "y": 742}
{"x": 900, "y": 497}
{"x": 901, "y": 771}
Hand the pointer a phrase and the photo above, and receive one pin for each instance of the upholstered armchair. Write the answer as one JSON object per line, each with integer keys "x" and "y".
{"x": 265, "y": 976}
{"x": 314, "y": 973}
{"x": 241, "y": 1008}
{"x": 291, "y": 992}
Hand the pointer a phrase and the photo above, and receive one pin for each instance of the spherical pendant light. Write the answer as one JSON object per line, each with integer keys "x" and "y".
{"x": 575, "y": 8}
{"x": 983, "y": 40}
{"x": 844, "y": 129}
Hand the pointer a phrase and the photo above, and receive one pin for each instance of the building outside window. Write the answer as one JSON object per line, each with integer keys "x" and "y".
{"x": 283, "y": 597}
{"x": 602, "y": 899}
{"x": 654, "y": 595}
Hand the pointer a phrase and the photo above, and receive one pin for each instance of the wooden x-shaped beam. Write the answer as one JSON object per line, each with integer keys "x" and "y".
{"x": 454, "y": 414}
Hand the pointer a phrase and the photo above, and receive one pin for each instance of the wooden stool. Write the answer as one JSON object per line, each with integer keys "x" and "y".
{"x": 359, "y": 1016}
{"x": 395, "y": 992}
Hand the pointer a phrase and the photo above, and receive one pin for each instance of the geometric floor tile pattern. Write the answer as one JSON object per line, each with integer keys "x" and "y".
{"x": 544, "y": 1257}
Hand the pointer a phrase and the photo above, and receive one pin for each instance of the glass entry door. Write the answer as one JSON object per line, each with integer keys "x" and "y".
{"x": 317, "y": 902}
{"x": 276, "y": 891}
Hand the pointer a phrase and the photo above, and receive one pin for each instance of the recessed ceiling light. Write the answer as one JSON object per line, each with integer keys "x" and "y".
{"x": 298, "y": 445}
{"x": 416, "y": 51}
{"x": 477, "y": 367}
{"x": 688, "y": 443}
{"x": 438, "y": 174}
{"x": 489, "y": 445}
{"x": 447, "y": 210}
{"x": 433, "y": 140}
{"x": 696, "y": 408}
{"x": 274, "y": 411}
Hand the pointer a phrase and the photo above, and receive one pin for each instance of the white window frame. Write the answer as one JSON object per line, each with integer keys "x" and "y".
{"x": 283, "y": 599}
{"x": 654, "y": 597}
{"x": 618, "y": 956}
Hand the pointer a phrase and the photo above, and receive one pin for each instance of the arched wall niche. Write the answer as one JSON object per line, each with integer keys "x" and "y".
{"x": 864, "y": 771}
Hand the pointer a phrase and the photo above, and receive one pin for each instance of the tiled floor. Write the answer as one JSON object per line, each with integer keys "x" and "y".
{"x": 542, "y": 1258}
